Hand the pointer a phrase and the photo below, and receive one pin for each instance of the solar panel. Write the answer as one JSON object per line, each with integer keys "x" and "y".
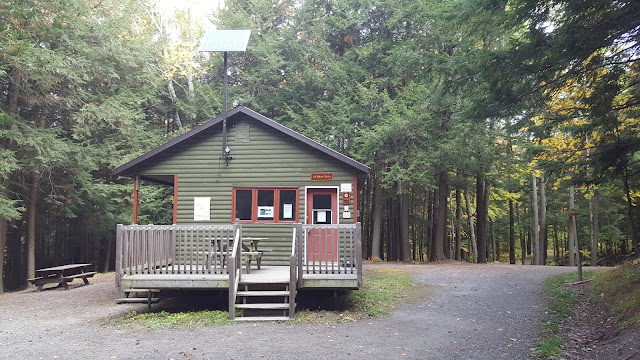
{"x": 225, "y": 40}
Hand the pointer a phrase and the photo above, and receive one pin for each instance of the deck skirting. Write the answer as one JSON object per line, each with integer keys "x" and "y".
{"x": 175, "y": 281}
{"x": 221, "y": 281}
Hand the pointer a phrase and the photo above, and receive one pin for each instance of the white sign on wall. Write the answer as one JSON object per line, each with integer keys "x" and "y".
{"x": 265, "y": 211}
{"x": 345, "y": 187}
{"x": 201, "y": 208}
{"x": 321, "y": 216}
{"x": 287, "y": 211}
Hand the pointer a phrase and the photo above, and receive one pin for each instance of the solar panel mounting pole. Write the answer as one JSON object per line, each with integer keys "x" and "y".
{"x": 225, "y": 41}
{"x": 225, "y": 153}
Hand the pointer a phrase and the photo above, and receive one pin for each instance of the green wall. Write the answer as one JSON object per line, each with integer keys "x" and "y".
{"x": 269, "y": 158}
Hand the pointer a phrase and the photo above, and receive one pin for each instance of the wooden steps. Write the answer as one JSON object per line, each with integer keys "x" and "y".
{"x": 140, "y": 290}
{"x": 263, "y": 293}
{"x": 136, "y": 300}
{"x": 147, "y": 299}
{"x": 265, "y": 300}
{"x": 263, "y": 306}
{"x": 262, "y": 318}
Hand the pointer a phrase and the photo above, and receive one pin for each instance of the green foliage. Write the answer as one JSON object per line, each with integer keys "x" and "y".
{"x": 471, "y": 88}
{"x": 618, "y": 291}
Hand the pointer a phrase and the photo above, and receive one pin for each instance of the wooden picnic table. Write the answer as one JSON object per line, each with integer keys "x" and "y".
{"x": 250, "y": 253}
{"x": 62, "y": 275}
{"x": 253, "y": 253}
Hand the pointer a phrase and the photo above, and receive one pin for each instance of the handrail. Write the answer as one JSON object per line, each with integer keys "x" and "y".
{"x": 293, "y": 274}
{"x": 299, "y": 250}
{"x": 235, "y": 270}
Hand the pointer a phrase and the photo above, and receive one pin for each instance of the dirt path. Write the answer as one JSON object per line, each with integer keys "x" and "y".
{"x": 468, "y": 312}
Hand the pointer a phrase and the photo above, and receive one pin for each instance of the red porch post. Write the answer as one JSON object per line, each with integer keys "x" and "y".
{"x": 175, "y": 199}
{"x": 136, "y": 187}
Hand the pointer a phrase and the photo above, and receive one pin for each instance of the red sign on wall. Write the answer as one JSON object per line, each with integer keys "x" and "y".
{"x": 322, "y": 176}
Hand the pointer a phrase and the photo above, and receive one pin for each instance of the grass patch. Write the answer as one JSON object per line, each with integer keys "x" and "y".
{"x": 618, "y": 291}
{"x": 382, "y": 291}
{"x": 164, "y": 319}
{"x": 561, "y": 303}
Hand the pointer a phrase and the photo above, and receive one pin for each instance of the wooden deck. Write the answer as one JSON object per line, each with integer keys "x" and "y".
{"x": 211, "y": 257}
{"x": 266, "y": 275}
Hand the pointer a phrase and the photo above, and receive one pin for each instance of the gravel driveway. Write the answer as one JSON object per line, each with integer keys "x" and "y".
{"x": 468, "y": 312}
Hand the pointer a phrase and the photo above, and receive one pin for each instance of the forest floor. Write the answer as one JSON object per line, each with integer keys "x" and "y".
{"x": 465, "y": 311}
{"x": 593, "y": 333}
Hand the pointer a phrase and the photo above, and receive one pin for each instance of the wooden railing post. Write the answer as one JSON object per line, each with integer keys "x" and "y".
{"x": 234, "y": 265}
{"x": 293, "y": 273}
{"x": 300, "y": 250}
{"x": 358, "y": 258}
{"x": 118, "y": 264}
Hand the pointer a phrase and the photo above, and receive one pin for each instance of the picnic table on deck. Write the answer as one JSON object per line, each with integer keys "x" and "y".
{"x": 61, "y": 275}
{"x": 251, "y": 252}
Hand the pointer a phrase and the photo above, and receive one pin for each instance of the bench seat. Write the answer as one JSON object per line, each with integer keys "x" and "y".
{"x": 80, "y": 275}
{"x": 252, "y": 255}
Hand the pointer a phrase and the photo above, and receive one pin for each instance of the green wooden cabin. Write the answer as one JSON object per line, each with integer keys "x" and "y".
{"x": 273, "y": 168}
{"x": 267, "y": 178}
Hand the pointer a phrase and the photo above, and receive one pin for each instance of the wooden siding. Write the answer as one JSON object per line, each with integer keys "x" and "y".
{"x": 269, "y": 158}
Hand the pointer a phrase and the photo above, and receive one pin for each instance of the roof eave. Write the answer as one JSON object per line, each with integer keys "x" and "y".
{"x": 122, "y": 170}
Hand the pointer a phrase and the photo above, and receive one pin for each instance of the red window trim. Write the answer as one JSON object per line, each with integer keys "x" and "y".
{"x": 254, "y": 205}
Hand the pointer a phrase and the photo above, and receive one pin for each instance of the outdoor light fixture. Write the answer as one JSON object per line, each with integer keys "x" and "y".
{"x": 225, "y": 41}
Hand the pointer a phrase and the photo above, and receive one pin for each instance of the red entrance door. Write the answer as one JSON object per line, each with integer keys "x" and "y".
{"x": 322, "y": 209}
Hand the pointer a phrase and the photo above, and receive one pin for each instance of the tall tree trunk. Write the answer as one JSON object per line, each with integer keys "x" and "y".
{"x": 474, "y": 245}
{"x": 108, "y": 252}
{"x": 191, "y": 94}
{"x": 377, "y": 218}
{"x": 543, "y": 222}
{"x": 556, "y": 245}
{"x": 390, "y": 232}
{"x": 448, "y": 236}
{"x": 492, "y": 242}
{"x": 523, "y": 243}
{"x": 433, "y": 199}
{"x": 512, "y": 235}
{"x": 413, "y": 229}
{"x": 173, "y": 97}
{"x": 458, "y": 224}
{"x": 405, "y": 244}
{"x": 440, "y": 228}
{"x": 630, "y": 212}
{"x": 31, "y": 237}
{"x": 14, "y": 90}
{"x": 536, "y": 233}
{"x": 423, "y": 222}
{"x": 572, "y": 236}
{"x": 595, "y": 227}
{"x": 3, "y": 243}
{"x": 482, "y": 206}
{"x": 33, "y": 201}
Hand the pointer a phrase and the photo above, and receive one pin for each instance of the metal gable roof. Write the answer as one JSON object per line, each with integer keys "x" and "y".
{"x": 123, "y": 169}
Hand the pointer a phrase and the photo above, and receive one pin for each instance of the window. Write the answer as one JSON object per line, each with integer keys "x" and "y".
{"x": 244, "y": 204}
{"x": 265, "y": 205}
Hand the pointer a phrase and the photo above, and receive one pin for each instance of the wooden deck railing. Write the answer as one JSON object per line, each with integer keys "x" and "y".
{"x": 331, "y": 249}
{"x": 235, "y": 271}
{"x": 173, "y": 249}
{"x": 293, "y": 273}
